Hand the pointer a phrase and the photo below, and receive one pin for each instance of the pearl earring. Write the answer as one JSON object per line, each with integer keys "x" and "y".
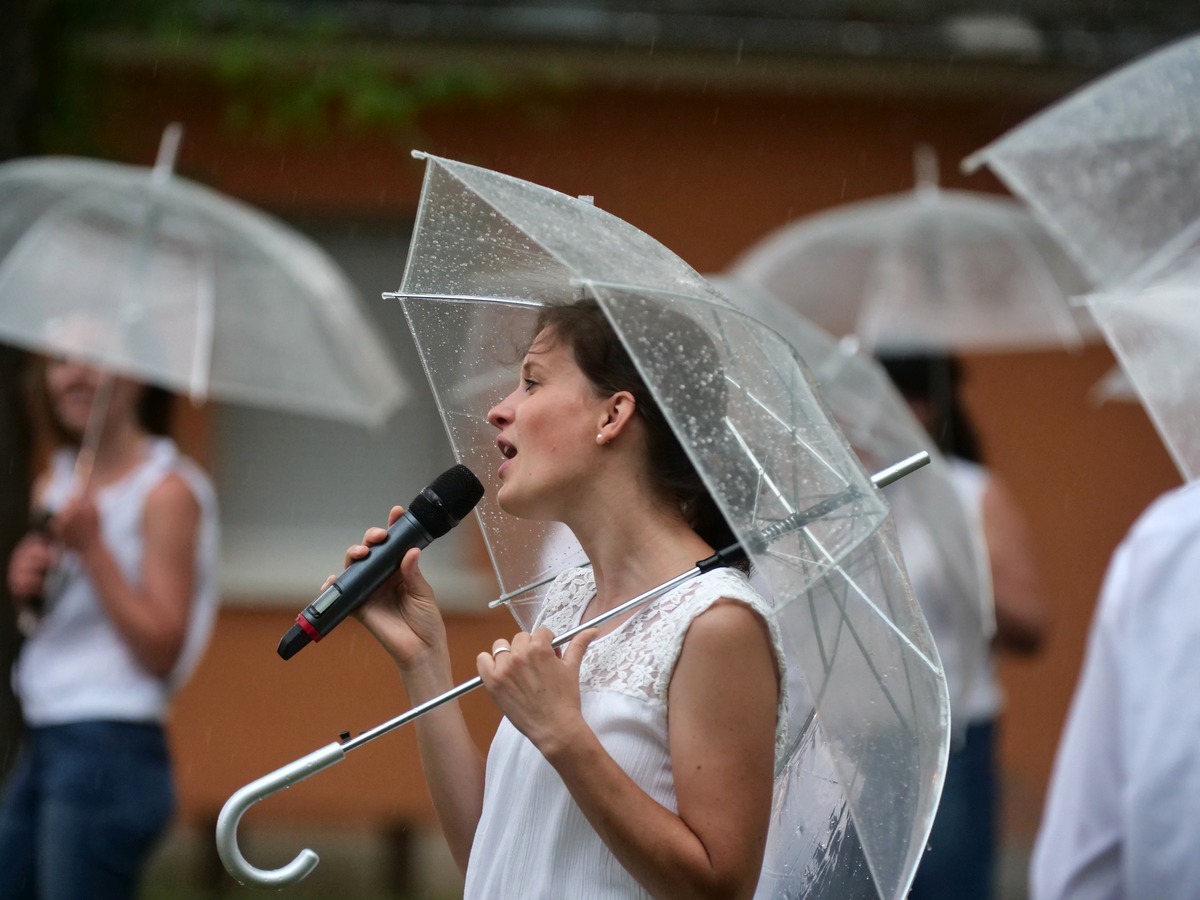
{"x": 599, "y": 438}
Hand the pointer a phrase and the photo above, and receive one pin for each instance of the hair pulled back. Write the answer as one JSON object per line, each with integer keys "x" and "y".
{"x": 584, "y": 328}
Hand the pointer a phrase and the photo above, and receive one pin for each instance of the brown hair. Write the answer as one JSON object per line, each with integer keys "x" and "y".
{"x": 606, "y": 363}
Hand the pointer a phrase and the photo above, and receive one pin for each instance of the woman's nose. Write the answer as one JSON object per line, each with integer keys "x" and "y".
{"x": 500, "y": 414}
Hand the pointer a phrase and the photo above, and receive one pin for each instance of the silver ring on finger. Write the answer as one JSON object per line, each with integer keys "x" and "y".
{"x": 500, "y": 650}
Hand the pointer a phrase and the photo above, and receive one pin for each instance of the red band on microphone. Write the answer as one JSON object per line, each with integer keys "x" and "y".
{"x": 308, "y": 628}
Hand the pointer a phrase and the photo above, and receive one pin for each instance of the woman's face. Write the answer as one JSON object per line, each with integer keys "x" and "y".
{"x": 548, "y": 429}
{"x": 72, "y": 388}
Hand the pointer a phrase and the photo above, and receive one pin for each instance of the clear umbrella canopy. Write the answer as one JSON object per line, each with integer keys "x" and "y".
{"x": 867, "y": 723}
{"x": 929, "y": 269}
{"x": 1153, "y": 327}
{"x": 161, "y": 279}
{"x": 1113, "y": 170}
{"x": 942, "y": 540}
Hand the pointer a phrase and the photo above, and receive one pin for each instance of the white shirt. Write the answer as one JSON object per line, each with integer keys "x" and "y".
{"x": 75, "y": 666}
{"x": 1122, "y": 817}
{"x": 975, "y": 692}
{"x": 985, "y": 698}
{"x": 533, "y": 840}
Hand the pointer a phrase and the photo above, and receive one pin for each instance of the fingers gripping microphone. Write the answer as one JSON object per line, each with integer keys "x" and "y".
{"x": 431, "y": 514}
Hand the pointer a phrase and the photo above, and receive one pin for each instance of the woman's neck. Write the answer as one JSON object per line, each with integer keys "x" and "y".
{"x": 120, "y": 448}
{"x": 634, "y": 547}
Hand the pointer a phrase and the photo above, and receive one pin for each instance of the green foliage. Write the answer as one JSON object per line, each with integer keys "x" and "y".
{"x": 307, "y": 84}
{"x": 287, "y": 69}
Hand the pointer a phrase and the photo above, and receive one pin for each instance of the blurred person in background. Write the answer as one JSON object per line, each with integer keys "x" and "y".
{"x": 1121, "y": 810}
{"x": 116, "y": 590}
{"x": 960, "y": 861}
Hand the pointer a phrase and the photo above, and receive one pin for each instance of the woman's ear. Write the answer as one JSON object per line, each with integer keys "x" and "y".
{"x": 617, "y": 413}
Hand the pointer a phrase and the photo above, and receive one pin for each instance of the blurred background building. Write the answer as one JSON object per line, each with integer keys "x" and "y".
{"x": 705, "y": 124}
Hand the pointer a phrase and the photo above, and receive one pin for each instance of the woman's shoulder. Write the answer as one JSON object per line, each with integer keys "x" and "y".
{"x": 722, "y": 599}
{"x": 171, "y": 471}
{"x": 721, "y": 584}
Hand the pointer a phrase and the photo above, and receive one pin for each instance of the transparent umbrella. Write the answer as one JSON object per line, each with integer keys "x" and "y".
{"x": 942, "y": 540}
{"x": 152, "y": 276}
{"x": 1152, "y": 324}
{"x": 1113, "y": 170}
{"x": 1113, "y": 385}
{"x": 860, "y": 766}
{"x": 929, "y": 269}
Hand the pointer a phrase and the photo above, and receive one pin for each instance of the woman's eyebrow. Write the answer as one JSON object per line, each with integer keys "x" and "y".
{"x": 530, "y": 366}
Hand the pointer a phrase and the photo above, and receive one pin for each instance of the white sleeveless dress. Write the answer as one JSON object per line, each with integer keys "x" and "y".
{"x": 532, "y": 840}
{"x": 75, "y": 666}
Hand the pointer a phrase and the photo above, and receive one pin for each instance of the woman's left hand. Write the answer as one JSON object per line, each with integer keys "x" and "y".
{"x": 534, "y": 687}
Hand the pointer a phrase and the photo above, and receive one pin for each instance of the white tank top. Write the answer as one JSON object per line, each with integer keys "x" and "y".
{"x": 75, "y": 666}
{"x": 984, "y": 698}
{"x": 532, "y": 840}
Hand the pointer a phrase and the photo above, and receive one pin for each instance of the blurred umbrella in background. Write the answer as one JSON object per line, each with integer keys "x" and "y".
{"x": 148, "y": 275}
{"x": 1114, "y": 172}
{"x": 860, "y": 770}
{"x": 1152, "y": 324}
{"x": 1113, "y": 385}
{"x": 941, "y": 539}
{"x": 930, "y": 269}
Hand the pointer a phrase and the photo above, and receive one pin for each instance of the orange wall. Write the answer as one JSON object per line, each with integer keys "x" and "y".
{"x": 707, "y": 172}
{"x": 247, "y": 712}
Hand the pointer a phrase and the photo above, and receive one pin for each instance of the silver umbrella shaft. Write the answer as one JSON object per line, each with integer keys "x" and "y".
{"x": 895, "y": 472}
{"x": 237, "y": 805}
{"x": 467, "y": 686}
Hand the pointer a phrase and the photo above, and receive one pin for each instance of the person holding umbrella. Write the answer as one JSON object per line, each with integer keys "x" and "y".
{"x": 960, "y": 861}
{"x": 118, "y": 591}
{"x": 640, "y": 761}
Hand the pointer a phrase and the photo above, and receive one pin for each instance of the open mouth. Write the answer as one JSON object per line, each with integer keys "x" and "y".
{"x": 506, "y": 449}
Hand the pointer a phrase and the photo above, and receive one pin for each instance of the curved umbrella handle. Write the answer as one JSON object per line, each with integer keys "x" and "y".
{"x": 235, "y": 807}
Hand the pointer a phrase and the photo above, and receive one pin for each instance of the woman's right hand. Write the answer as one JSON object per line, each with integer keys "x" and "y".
{"x": 27, "y": 567}
{"x": 402, "y": 613}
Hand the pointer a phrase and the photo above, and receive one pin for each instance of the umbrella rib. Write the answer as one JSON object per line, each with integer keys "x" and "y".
{"x": 763, "y": 477}
{"x": 533, "y": 585}
{"x": 849, "y": 626}
{"x": 465, "y": 298}
{"x": 879, "y": 612}
{"x": 1058, "y": 313}
{"x": 205, "y": 329}
{"x": 908, "y": 679}
{"x": 641, "y": 289}
{"x": 791, "y": 430}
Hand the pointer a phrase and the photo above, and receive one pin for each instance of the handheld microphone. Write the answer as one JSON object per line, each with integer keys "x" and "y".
{"x": 431, "y": 514}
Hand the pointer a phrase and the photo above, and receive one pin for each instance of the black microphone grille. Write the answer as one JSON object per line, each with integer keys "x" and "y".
{"x": 451, "y": 496}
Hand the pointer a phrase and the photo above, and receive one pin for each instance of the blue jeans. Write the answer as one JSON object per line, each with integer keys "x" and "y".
{"x": 82, "y": 811}
{"x": 960, "y": 861}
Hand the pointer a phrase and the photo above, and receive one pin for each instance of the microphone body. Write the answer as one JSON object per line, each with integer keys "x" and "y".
{"x": 432, "y": 513}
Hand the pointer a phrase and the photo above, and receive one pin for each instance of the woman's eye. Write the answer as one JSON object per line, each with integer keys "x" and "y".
{"x": 530, "y": 384}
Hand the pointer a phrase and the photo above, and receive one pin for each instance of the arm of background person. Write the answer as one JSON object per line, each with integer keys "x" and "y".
{"x": 151, "y": 617}
{"x": 1021, "y": 610}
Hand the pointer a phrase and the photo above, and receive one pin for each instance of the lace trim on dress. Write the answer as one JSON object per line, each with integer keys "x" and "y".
{"x": 638, "y": 658}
